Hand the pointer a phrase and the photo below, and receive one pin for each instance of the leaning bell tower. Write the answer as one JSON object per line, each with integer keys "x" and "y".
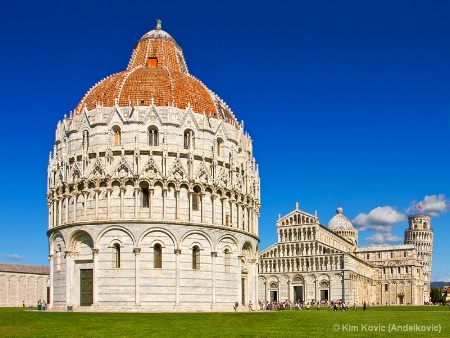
{"x": 420, "y": 235}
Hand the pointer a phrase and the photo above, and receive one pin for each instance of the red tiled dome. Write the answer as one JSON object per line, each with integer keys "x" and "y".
{"x": 157, "y": 71}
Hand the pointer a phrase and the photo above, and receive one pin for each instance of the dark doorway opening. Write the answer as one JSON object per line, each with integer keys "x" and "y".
{"x": 86, "y": 287}
{"x": 323, "y": 294}
{"x": 273, "y": 296}
{"x": 298, "y": 294}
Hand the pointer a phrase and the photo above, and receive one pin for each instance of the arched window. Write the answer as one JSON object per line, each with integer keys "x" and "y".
{"x": 189, "y": 139}
{"x": 196, "y": 258}
{"x": 116, "y": 252}
{"x": 157, "y": 256}
{"x": 196, "y": 199}
{"x": 117, "y": 136}
{"x": 145, "y": 198}
{"x": 153, "y": 139}
{"x": 219, "y": 146}
{"x": 227, "y": 260}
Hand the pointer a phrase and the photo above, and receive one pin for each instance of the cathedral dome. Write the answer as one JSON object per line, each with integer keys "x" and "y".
{"x": 340, "y": 222}
{"x": 157, "y": 74}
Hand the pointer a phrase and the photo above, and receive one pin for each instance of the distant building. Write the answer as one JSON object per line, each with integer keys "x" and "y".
{"x": 311, "y": 262}
{"x": 23, "y": 283}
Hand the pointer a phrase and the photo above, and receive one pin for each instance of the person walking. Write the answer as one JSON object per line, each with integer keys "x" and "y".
{"x": 250, "y": 307}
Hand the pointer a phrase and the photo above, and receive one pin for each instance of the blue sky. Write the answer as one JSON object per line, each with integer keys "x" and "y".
{"x": 347, "y": 102}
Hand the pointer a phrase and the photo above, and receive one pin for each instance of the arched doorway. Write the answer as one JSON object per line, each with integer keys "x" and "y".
{"x": 324, "y": 291}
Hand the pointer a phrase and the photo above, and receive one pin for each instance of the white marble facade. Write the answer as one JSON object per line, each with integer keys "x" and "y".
{"x": 311, "y": 262}
{"x": 152, "y": 207}
{"x": 23, "y": 284}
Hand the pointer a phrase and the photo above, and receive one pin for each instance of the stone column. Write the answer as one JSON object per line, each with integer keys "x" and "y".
{"x": 222, "y": 202}
{"x": 97, "y": 195}
{"x": 177, "y": 267}
{"x": 123, "y": 189}
{"x": 150, "y": 202}
{"x": 190, "y": 205}
{"x": 253, "y": 278}
{"x": 59, "y": 209}
{"x": 136, "y": 252}
{"x": 164, "y": 195}
{"x": 95, "y": 277}
{"x": 213, "y": 208}
{"x": 50, "y": 214}
{"x": 231, "y": 211}
{"x": 266, "y": 295}
{"x": 202, "y": 206}
{"x": 85, "y": 204}
{"x": 213, "y": 275}
{"x": 316, "y": 289}
{"x": 66, "y": 213}
{"x": 70, "y": 276}
{"x": 136, "y": 201}
{"x": 177, "y": 204}
{"x": 238, "y": 206}
{"x": 50, "y": 260}
{"x": 108, "y": 206}
{"x": 240, "y": 277}
{"x": 75, "y": 202}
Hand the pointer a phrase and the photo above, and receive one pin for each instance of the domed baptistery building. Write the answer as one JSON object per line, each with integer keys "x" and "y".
{"x": 153, "y": 193}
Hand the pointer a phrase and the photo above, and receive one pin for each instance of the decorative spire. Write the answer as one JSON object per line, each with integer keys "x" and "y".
{"x": 158, "y": 23}
{"x": 296, "y": 205}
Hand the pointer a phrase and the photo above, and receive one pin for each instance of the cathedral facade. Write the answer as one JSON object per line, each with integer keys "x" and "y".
{"x": 311, "y": 262}
{"x": 153, "y": 193}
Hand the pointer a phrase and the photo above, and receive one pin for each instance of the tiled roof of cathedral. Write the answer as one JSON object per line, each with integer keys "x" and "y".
{"x": 156, "y": 74}
{"x": 25, "y": 268}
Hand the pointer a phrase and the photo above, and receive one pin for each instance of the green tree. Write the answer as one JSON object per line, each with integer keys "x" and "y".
{"x": 436, "y": 295}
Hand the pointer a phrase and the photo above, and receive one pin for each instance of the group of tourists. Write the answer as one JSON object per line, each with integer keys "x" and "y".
{"x": 41, "y": 305}
{"x": 299, "y": 305}
{"x": 275, "y": 305}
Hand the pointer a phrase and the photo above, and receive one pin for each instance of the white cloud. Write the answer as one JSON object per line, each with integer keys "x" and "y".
{"x": 380, "y": 238}
{"x": 14, "y": 257}
{"x": 433, "y": 205}
{"x": 380, "y": 219}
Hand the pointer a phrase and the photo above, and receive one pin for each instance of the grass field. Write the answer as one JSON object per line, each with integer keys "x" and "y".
{"x": 15, "y": 322}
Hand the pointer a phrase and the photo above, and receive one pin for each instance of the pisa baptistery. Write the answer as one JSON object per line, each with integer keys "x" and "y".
{"x": 153, "y": 193}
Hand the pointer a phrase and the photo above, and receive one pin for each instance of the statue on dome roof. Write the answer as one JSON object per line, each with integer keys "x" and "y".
{"x": 158, "y": 23}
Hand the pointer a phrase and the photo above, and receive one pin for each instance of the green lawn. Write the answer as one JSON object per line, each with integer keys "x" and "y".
{"x": 15, "y": 322}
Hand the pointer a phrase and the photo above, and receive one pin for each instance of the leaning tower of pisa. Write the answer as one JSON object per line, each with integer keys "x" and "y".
{"x": 420, "y": 235}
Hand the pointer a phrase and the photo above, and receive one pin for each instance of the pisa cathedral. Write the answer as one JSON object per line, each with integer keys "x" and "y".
{"x": 311, "y": 262}
{"x": 153, "y": 204}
